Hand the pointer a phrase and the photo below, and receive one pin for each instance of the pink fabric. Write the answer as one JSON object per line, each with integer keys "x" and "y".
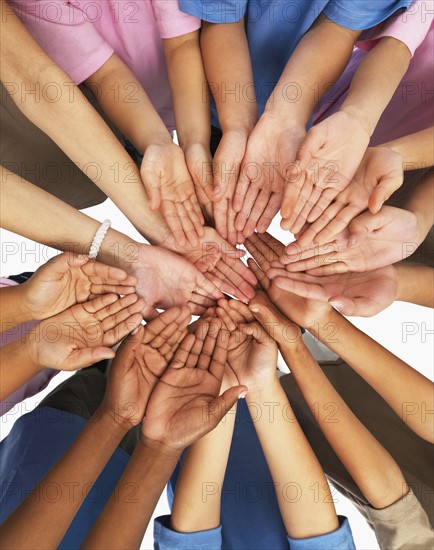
{"x": 411, "y": 108}
{"x": 38, "y": 382}
{"x": 81, "y": 35}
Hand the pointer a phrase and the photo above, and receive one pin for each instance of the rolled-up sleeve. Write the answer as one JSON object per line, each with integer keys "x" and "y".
{"x": 167, "y": 539}
{"x": 226, "y": 11}
{"x": 341, "y": 539}
{"x": 362, "y": 14}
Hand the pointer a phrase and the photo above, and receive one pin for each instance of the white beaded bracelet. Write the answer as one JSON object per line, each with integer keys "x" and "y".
{"x": 98, "y": 239}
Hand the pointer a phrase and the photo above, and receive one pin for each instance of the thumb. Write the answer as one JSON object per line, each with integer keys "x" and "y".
{"x": 61, "y": 264}
{"x": 81, "y": 358}
{"x": 361, "y": 306}
{"x": 360, "y": 227}
{"x": 385, "y": 188}
{"x": 309, "y": 147}
{"x": 224, "y": 403}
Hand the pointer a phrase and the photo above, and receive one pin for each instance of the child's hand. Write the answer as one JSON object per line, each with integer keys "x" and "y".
{"x": 265, "y": 249}
{"x": 328, "y": 159}
{"x": 69, "y": 279}
{"x": 370, "y": 242}
{"x": 170, "y": 188}
{"x": 360, "y": 294}
{"x": 140, "y": 361}
{"x": 252, "y": 353}
{"x": 85, "y": 333}
{"x": 185, "y": 404}
{"x": 379, "y": 175}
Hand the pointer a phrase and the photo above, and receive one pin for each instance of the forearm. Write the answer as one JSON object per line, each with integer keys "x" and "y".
{"x": 230, "y": 77}
{"x": 189, "y": 89}
{"x": 406, "y": 391}
{"x": 415, "y": 284}
{"x": 317, "y": 62}
{"x": 294, "y": 467}
{"x": 17, "y": 366}
{"x": 73, "y": 124}
{"x": 35, "y": 214}
{"x": 42, "y": 523}
{"x": 196, "y": 505}
{"x": 369, "y": 464}
{"x": 417, "y": 150}
{"x": 376, "y": 80}
{"x": 123, "y": 522}
{"x": 126, "y": 103}
{"x": 421, "y": 203}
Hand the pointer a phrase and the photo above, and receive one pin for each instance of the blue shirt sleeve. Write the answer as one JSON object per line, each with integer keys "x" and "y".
{"x": 167, "y": 539}
{"x": 341, "y": 539}
{"x": 362, "y": 14}
{"x": 226, "y": 11}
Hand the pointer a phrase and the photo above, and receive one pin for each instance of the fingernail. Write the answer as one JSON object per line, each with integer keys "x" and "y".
{"x": 216, "y": 191}
{"x": 83, "y": 257}
{"x": 352, "y": 242}
{"x": 335, "y": 303}
{"x": 242, "y": 395}
{"x": 136, "y": 330}
{"x": 255, "y": 309}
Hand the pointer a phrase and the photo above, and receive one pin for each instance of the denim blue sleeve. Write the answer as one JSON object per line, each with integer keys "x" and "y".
{"x": 167, "y": 539}
{"x": 362, "y": 14}
{"x": 225, "y": 11}
{"x": 341, "y": 539}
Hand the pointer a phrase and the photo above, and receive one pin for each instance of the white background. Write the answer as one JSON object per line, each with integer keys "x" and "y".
{"x": 389, "y": 328}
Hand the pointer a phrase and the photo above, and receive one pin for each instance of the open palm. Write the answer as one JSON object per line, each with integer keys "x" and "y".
{"x": 185, "y": 403}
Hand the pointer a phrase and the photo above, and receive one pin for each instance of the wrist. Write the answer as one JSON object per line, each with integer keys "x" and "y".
{"x": 361, "y": 117}
{"x": 263, "y": 392}
{"x": 109, "y": 421}
{"x": 159, "y": 449}
{"x": 18, "y": 295}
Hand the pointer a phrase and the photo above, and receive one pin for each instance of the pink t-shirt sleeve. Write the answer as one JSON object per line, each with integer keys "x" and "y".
{"x": 171, "y": 21}
{"x": 66, "y": 34}
{"x": 410, "y": 27}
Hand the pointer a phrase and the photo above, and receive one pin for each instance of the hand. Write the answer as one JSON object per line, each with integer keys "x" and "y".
{"x": 185, "y": 404}
{"x": 166, "y": 279}
{"x": 199, "y": 164}
{"x": 70, "y": 279}
{"x": 252, "y": 353}
{"x": 85, "y": 333}
{"x": 328, "y": 158}
{"x": 379, "y": 175}
{"x": 265, "y": 249}
{"x": 140, "y": 361}
{"x": 370, "y": 242}
{"x": 268, "y": 159}
{"x": 227, "y": 162}
{"x": 360, "y": 294}
{"x": 220, "y": 263}
{"x": 169, "y": 186}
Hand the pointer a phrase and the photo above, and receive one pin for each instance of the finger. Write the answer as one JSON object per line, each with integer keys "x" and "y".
{"x": 100, "y": 303}
{"x": 187, "y": 226}
{"x": 276, "y": 325}
{"x": 219, "y": 281}
{"x": 384, "y": 190}
{"x": 294, "y": 181}
{"x": 171, "y": 216}
{"x": 362, "y": 225}
{"x": 231, "y": 231}
{"x": 338, "y": 224}
{"x": 220, "y": 354}
{"x": 241, "y": 275}
{"x": 360, "y": 306}
{"x": 100, "y": 273}
{"x": 259, "y": 206}
{"x": 259, "y": 255}
{"x": 201, "y": 301}
{"x": 332, "y": 269}
{"x": 152, "y": 185}
{"x": 222, "y": 404}
{"x": 276, "y": 246}
{"x": 115, "y": 319}
{"x": 240, "y": 312}
{"x": 245, "y": 213}
{"x": 169, "y": 348}
{"x": 182, "y": 353}
{"x": 225, "y": 317}
{"x": 322, "y": 203}
{"x": 84, "y": 357}
{"x": 165, "y": 325}
{"x": 269, "y": 213}
{"x": 263, "y": 280}
{"x": 122, "y": 329}
{"x": 149, "y": 313}
{"x": 244, "y": 291}
{"x": 113, "y": 307}
{"x": 305, "y": 211}
{"x": 205, "y": 287}
{"x": 220, "y": 216}
{"x": 241, "y": 188}
{"x": 111, "y": 289}
{"x": 209, "y": 344}
{"x": 57, "y": 266}
{"x": 310, "y": 234}
{"x": 303, "y": 196}
{"x": 305, "y": 290}
{"x": 195, "y": 215}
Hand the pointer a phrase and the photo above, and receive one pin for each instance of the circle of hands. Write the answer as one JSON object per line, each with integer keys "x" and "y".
{"x": 169, "y": 373}
{"x": 330, "y": 189}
